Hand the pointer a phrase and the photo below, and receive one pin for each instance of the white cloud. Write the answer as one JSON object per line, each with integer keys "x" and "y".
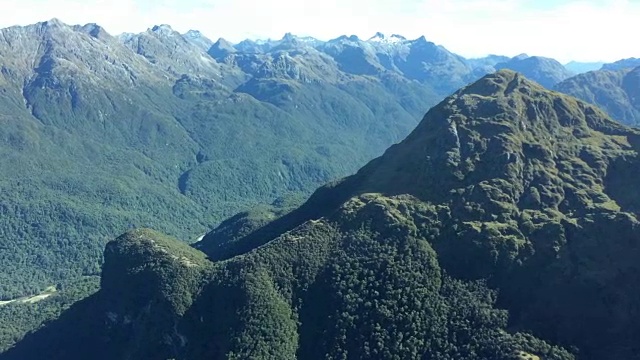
{"x": 580, "y": 30}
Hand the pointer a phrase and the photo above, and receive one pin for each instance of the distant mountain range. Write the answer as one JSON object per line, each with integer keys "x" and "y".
{"x": 616, "y": 91}
{"x": 417, "y": 59}
{"x": 583, "y": 67}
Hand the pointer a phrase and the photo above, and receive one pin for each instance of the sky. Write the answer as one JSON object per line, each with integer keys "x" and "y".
{"x": 587, "y": 30}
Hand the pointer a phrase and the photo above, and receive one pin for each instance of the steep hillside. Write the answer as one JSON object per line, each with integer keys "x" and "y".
{"x": 615, "y": 91}
{"x": 506, "y": 217}
{"x": 104, "y": 133}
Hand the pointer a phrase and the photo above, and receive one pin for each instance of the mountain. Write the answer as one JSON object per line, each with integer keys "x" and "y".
{"x": 418, "y": 60}
{"x": 381, "y": 38}
{"x": 172, "y": 131}
{"x": 547, "y": 72}
{"x": 353, "y": 55}
{"x": 615, "y": 91}
{"x": 197, "y": 38}
{"x": 173, "y": 52}
{"x": 577, "y": 67}
{"x": 103, "y": 133}
{"x": 622, "y": 64}
{"x": 220, "y": 49}
{"x": 488, "y": 61}
{"x": 506, "y": 222}
{"x": 264, "y": 46}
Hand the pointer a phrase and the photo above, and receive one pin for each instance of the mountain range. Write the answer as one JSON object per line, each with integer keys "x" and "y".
{"x": 504, "y": 227}
{"x": 103, "y": 133}
{"x": 177, "y": 132}
{"x": 615, "y": 89}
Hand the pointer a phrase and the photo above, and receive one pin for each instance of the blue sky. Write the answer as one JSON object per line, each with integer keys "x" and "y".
{"x": 588, "y": 30}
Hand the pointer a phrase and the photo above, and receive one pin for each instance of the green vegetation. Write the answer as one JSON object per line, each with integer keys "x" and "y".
{"x": 615, "y": 90}
{"x": 16, "y": 319}
{"x": 331, "y": 289}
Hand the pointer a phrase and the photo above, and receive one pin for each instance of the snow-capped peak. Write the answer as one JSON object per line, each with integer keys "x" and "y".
{"x": 378, "y": 37}
{"x": 193, "y": 34}
{"x": 162, "y": 29}
{"x": 381, "y": 38}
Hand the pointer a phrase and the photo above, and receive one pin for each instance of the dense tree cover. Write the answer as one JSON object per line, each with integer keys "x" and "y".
{"x": 339, "y": 290}
{"x": 102, "y": 134}
{"x": 16, "y": 319}
{"x": 527, "y": 188}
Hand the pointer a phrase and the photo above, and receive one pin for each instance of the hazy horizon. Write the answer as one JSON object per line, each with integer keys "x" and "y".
{"x": 584, "y": 31}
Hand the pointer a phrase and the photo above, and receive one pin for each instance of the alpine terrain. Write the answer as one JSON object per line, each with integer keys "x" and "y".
{"x": 505, "y": 226}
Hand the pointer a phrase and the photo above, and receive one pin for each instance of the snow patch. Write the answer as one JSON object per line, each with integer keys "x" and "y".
{"x": 162, "y": 29}
{"x": 382, "y": 38}
{"x": 193, "y": 34}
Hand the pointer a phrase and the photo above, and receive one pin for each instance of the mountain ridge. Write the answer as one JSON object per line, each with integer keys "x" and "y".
{"x": 503, "y": 184}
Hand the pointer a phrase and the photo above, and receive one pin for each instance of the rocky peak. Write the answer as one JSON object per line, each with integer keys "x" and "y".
{"x": 193, "y": 34}
{"x": 507, "y": 142}
{"x": 422, "y": 40}
{"x": 53, "y": 23}
{"x": 221, "y": 48}
{"x": 378, "y": 36}
{"x": 163, "y": 29}
{"x": 622, "y": 64}
{"x": 94, "y": 30}
{"x": 253, "y": 46}
{"x": 198, "y": 39}
{"x": 288, "y": 42}
{"x": 44, "y": 28}
{"x": 345, "y": 38}
{"x": 547, "y": 72}
{"x": 381, "y": 38}
{"x": 288, "y": 37}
